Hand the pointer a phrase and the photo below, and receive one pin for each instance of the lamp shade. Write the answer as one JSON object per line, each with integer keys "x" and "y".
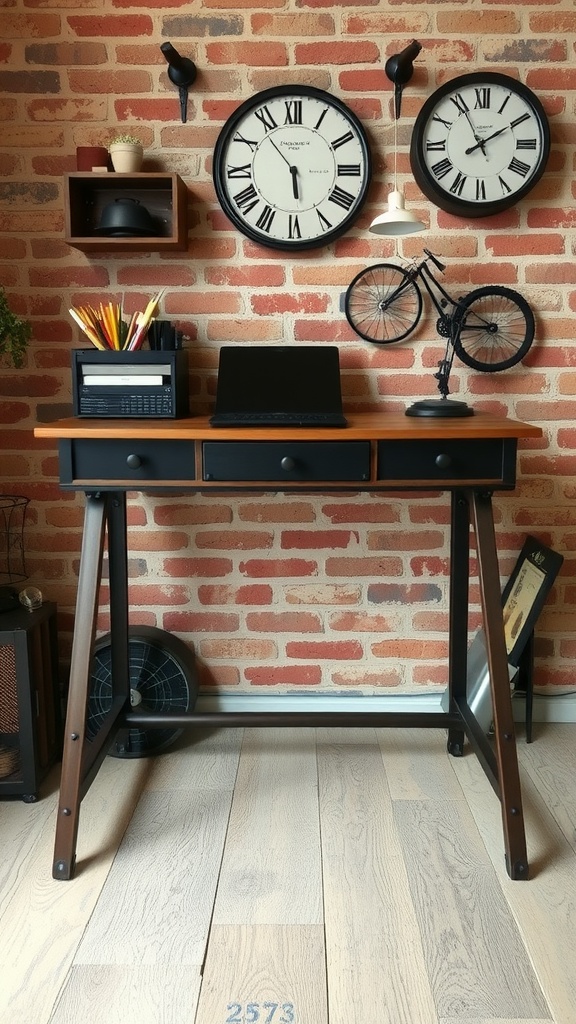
{"x": 397, "y": 220}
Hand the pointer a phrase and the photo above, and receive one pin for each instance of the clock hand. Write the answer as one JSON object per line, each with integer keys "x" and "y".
{"x": 487, "y": 139}
{"x": 479, "y": 141}
{"x": 278, "y": 150}
{"x": 293, "y": 169}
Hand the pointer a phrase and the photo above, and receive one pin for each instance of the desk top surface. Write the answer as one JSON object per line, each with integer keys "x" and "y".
{"x": 361, "y": 426}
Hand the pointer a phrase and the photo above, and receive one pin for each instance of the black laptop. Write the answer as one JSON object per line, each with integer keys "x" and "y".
{"x": 278, "y": 385}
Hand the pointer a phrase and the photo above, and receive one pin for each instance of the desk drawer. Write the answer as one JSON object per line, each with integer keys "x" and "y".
{"x": 306, "y": 461}
{"x": 489, "y": 460}
{"x": 135, "y": 460}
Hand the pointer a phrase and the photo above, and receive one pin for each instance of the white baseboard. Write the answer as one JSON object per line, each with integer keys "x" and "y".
{"x": 560, "y": 708}
{"x": 546, "y": 709}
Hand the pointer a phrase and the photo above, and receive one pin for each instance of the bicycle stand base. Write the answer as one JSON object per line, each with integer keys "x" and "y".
{"x": 439, "y": 407}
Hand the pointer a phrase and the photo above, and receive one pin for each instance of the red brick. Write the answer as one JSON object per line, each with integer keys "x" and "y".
{"x": 318, "y": 539}
{"x": 269, "y": 54}
{"x": 413, "y": 650}
{"x": 238, "y": 540}
{"x": 191, "y": 513}
{"x": 361, "y": 622}
{"x": 364, "y": 566}
{"x": 283, "y": 622}
{"x": 238, "y": 649}
{"x": 113, "y": 26}
{"x": 291, "y": 675}
{"x": 191, "y": 567}
{"x": 337, "y": 52}
{"x": 322, "y": 593}
{"x": 332, "y": 650}
{"x": 267, "y": 305}
{"x": 278, "y": 567}
{"x": 201, "y": 622}
{"x": 353, "y": 676}
{"x": 255, "y": 593}
{"x": 276, "y": 512}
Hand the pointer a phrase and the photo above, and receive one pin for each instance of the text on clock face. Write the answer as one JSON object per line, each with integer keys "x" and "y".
{"x": 294, "y": 168}
{"x": 482, "y": 143}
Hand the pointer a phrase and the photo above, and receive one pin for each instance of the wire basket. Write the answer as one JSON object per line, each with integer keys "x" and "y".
{"x": 12, "y": 516}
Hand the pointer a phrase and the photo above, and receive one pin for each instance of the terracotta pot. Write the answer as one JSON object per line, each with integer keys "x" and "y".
{"x": 88, "y": 157}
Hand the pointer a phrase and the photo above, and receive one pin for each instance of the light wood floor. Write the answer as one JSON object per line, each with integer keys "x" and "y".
{"x": 295, "y": 877}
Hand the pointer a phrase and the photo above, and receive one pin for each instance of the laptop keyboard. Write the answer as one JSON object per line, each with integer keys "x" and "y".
{"x": 307, "y": 419}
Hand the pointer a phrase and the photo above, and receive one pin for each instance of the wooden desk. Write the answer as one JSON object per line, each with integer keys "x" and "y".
{"x": 470, "y": 458}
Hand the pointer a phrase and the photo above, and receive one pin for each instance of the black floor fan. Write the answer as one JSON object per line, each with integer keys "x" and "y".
{"x": 163, "y": 678}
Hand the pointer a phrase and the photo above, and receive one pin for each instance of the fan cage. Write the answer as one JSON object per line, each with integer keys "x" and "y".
{"x": 162, "y": 672}
{"x": 12, "y": 517}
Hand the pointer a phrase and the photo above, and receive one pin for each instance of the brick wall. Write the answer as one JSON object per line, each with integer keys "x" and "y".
{"x": 286, "y": 591}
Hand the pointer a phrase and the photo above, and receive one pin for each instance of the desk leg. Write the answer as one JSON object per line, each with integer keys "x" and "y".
{"x": 458, "y": 627}
{"x": 504, "y": 736}
{"x": 74, "y": 732}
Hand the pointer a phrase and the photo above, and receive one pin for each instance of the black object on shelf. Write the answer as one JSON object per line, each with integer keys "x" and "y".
{"x": 12, "y": 564}
{"x": 30, "y": 716}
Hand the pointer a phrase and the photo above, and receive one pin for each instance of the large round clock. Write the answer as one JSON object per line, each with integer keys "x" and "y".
{"x": 292, "y": 167}
{"x": 479, "y": 144}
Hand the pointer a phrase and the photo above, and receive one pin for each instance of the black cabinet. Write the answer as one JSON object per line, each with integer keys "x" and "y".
{"x": 30, "y": 722}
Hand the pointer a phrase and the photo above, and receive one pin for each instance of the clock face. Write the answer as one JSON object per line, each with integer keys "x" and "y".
{"x": 292, "y": 167}
{"x": 479, "y": 144}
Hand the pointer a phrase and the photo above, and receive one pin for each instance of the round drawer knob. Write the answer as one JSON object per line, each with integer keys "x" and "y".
{"x": 288, "y": 463}
{"x": 443, "y": 461}
{"x": 133, "y": 462}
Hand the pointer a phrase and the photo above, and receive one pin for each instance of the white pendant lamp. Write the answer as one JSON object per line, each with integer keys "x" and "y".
{"x": 397, "y": 220}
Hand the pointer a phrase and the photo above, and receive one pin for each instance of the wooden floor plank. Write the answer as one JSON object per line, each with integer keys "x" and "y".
{"x": 265, "y": 973}
{"x": 148, "y": 995}
{"x": 156, "y": 905}
{"x": 42, "y": 920}
{"x": 545, "y": 905}
{"x": 271, "y": 872}
{"x": 417, "y": 764}
{"x": 551, "y": 763}
{"x": 493, "y": 1020}
{"x": 475, "y": 957}
{"x": 200, "y": 759}
{"x": 375, "y": 964}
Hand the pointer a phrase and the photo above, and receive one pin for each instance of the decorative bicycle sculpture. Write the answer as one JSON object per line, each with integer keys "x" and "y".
{"x": 489, "y": 329}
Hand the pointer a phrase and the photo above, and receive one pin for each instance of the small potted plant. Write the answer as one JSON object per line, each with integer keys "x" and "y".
{"x": 126, "y": 153}
{"x": 15, "y": 333}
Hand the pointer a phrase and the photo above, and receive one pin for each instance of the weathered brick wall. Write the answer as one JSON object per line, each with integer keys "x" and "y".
{"x": 286, "y": 590}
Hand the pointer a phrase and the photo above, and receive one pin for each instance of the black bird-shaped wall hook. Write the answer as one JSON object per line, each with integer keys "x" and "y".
{"x": 181, "y": 72}
{"x": 399, "y": 69}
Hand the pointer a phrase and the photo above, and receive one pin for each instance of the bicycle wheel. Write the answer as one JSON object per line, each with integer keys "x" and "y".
{"x": 383, "y": 304}
{"x": 494, "y": 329}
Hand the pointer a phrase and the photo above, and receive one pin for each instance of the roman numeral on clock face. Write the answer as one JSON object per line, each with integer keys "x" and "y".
{"x": 293, "y": 112}
{"x": 265, "y": 117}
{"x": 341, "y": 197}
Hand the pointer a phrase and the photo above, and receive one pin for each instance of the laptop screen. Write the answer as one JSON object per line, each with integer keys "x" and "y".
{"x": 278, "y": 378}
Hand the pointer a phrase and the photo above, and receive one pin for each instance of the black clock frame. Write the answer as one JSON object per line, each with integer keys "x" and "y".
{"x": 428, "y": 184}
{"x": 219, "y": 175}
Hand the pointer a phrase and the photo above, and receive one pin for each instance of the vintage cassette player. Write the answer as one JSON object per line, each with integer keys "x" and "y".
{"x": 124, "y": 384}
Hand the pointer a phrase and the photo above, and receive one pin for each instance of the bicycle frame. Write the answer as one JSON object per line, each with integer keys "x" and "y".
{"x": 445, "y": 321}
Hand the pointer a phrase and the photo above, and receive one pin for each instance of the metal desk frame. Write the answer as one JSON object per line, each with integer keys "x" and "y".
{"x": 106, "y": 522}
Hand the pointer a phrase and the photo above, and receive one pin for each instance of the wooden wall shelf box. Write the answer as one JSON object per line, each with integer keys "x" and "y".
{"x": 165, "y": 196}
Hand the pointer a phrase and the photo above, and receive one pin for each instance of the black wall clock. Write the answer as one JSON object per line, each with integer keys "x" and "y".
{"x": 479, "y": 144}
{"x": 292, "y": 167}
